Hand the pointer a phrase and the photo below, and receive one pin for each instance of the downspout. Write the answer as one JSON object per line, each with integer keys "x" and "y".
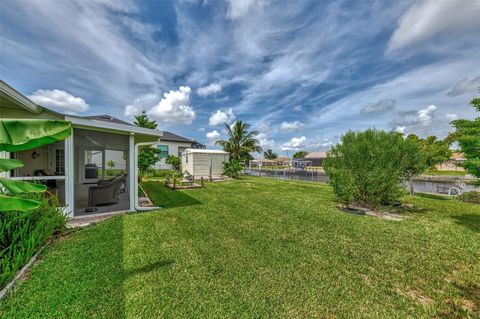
{"x": 135, "y": 175}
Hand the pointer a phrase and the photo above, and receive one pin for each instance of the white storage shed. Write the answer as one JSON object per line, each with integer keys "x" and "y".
{"x": 204, "y": 163}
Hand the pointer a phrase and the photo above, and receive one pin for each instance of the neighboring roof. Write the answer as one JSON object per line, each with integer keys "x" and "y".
{"x": 458, "y": 156}
{"x": 316, "y": 155}
{"x": 169, "y": 136}
{"x": 107, "y": 118}
{"x": 265, "y": 160}
{"x": 204, "y": 151}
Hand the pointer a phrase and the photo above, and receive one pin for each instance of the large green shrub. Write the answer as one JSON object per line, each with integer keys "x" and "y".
{"x": 23, "y": 233}
{"x": 232, "y": 168}
{"x": 370, "y": 168}
{"x": 470, "y": 197}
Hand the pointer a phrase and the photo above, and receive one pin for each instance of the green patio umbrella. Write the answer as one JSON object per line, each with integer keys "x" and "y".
{"x": 19, "y": 135}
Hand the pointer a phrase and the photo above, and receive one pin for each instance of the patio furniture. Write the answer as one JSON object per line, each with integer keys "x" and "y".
{"x": 106, "y": 192}
{"x": 91, "y": 171}
{"x": 187, "y": 179}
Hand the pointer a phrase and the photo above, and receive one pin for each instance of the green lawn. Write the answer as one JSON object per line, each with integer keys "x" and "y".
{"x": 260, "y": 248}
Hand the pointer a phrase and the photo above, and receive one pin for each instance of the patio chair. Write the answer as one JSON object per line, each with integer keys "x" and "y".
{"x": 106, "y": 192}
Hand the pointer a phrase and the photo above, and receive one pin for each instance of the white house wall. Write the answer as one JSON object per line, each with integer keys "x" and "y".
{"x": 172, "y": 150}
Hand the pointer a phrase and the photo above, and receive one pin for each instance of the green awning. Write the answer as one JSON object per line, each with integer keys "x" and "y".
{"x": 21, "y": 134}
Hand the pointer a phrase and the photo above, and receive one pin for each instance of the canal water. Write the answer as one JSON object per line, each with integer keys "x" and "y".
{"x": 423, "y": 184}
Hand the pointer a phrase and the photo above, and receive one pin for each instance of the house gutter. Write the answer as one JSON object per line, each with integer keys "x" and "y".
{"x": 135, "y": 175}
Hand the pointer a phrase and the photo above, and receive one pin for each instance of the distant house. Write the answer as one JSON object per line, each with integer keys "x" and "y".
{"x": 311, "y": 159}
{"x": 283, "y": 161}
{"x": 173, "y": 144}
{"x": 453, "y": 163}
{"x": 279, "y": 161}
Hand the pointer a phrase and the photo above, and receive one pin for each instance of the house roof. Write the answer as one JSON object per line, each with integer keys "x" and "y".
{"x": 458, "y": 156}
{"x": 101, "y": 124}
{"x": 169, "y": 136}
{"x": 282, "y": 159}
{"x": 316, "y": 155}
{"x": 265, "y": 160}
{"x": 107, "y": 118}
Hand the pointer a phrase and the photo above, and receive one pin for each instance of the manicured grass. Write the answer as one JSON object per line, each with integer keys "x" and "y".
{"x": 261, "y": 248}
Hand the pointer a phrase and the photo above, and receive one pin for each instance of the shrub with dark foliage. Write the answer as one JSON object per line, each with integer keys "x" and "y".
{"x": 370, "y": 168}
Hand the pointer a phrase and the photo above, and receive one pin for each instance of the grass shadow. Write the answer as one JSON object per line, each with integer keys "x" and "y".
{"x": 168, "y": 198}
{"x": 471, "y": 221}
{"x": 149, "y": 268}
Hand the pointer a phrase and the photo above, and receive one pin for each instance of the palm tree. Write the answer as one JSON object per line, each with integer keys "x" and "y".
{"x": 269, "y": 154}
{"x": 240, "y": 141}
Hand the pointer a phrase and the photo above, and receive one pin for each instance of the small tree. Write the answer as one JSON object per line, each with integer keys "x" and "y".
{"x": 241, "y": 142}
{"x": 415, "y": 161}
{"x": 269, "y": 154}
{"x": 368, "y": 168}
{"x": 148, "y": 155}
{"x": 232, "y": 168}
{"x": 174, "y": 161}
{"x": 300, "y": 154}
{"x": 468, "y": 137}
{"x": 435, "y": 151}
{"x": 142, "y": 120}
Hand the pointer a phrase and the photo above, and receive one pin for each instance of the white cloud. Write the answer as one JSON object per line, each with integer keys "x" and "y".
{"x": 426, "y": 19}
{"x": 264, "y": 127}
{"x": 451, "y": 116}
{"x": 378, "y": 107}
{"x": 220, "y": 117}
{"x": 174, "y": 107}
{"x": 425, "y": 115}
{"x": 400, "y": 129}
{"x": 213, "y": 135}
{"x": 209, "y": 89}
{"x": 264, "y": 142}
{"x": 67, "y": 47}
{"x": 291, "y": 126}
{"x": 297, "y": 108}
{"x": 133, "y": 109}
{"x": 467, "y": 85}
{"x": 59, "y": 99}
{"x": 295, "y": 143}
{"x": 240, "y": 8}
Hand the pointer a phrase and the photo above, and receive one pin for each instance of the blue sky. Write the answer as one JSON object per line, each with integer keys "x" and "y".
{"x": 302, "y": 73}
